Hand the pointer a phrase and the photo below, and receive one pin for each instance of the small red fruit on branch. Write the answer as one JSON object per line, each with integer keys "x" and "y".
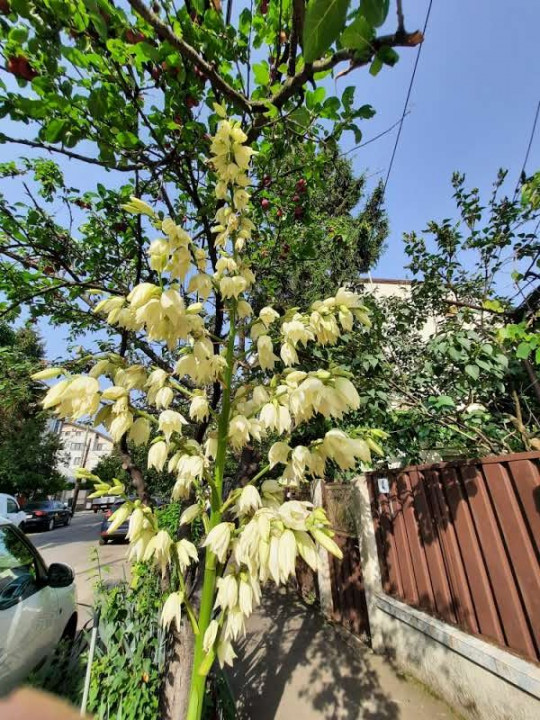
{"x": 265, "y": 203}
{"x": 5, "y": 8}
{"x": 133, "y": 37}
{"x": 20, "y": 67}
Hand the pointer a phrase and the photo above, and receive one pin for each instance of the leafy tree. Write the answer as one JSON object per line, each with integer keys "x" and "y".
{"x": 453, "y": 365}
{"x": 129, "y": 92}
{"x": 313, "y": 237}
{"x": 27, "y": 449}
{"x": 126, "y": 91}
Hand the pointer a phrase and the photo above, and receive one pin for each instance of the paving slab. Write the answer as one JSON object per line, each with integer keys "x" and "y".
{"x": 294, "y": 665}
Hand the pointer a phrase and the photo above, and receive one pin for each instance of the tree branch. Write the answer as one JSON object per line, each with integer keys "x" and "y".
{"x": 73, "y": 155}
{"x": 309, "y": 70}
{"x": 189, "y": 53}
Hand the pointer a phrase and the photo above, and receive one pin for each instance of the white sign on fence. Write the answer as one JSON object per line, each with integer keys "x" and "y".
{"x": 384, "y": 487}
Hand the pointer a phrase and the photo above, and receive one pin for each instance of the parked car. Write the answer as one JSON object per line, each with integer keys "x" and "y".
{"x": 10, "y": 509}
{"x": 37, "y": 606}
{"x": 104, "y": 503}
{"x": 121, "y": 532}
{"x": 45, "y": 515}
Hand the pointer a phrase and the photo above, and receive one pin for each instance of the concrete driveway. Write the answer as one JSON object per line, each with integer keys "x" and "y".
{"x": 77, "y": 545}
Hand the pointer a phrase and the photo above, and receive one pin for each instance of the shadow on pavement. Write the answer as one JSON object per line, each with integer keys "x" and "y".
{"x": 293, "y": 665}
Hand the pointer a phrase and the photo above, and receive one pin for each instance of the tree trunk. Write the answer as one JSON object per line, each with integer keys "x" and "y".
{"x": 174, "y": 699}
{"x": 137, "y": 478}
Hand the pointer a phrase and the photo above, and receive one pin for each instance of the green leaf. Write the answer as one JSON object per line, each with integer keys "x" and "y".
{"x": 523, "y": 350}
{"x": 358, "y": 36}
{"x": 388, "y": 55}
{"x": 472, "y": 371}
{"x": 55, "y": 130}
{"x": 261, "y": 73}
{"x": 323, "y": 23}
{"x": 315, "y": 97}
{"x": 375, "y": 11}
{"x": 376, "y": 66}
{"x": 301, "y": 116}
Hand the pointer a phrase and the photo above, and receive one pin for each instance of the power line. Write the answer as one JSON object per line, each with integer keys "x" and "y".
{"x": 376, "y": 137}
{"x": 408, "y": 96}
{"x": 531, "y": 138}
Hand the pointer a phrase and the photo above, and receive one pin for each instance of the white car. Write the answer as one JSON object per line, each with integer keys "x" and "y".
{"x": 37, "y": 606}
{"x": 9, "y": 509}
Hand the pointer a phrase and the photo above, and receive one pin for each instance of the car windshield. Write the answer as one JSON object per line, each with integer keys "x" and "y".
{"x": 42, "y": 505}
{"x": 17, "y": 568}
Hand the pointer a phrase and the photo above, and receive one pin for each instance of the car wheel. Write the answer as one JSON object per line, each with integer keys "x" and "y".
{"x": 68, "y": 520}
{"x": 70, "y": 630}
{"x": 50, "y": 524}
{"x": 103, "y": 541}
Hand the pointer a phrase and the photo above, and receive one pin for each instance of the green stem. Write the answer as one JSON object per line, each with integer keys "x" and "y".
{"x": 198, "y": 680}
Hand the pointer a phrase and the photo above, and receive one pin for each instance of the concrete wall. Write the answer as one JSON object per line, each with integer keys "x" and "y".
{"x": 478, "y": 679}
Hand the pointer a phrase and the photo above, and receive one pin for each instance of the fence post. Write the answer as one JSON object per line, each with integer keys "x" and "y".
{"x": 324, "y": 577}
{"x": 369, "y": 558}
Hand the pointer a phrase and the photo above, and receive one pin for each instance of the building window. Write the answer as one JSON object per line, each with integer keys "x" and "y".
{"x": 76, "y": 446}
{"x": 100, "y": 446}
{"x": 77, "y": 460}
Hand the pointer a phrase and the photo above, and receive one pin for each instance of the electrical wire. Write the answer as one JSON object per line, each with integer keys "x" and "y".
{"x": 376, "y": 137}
{"x": 405, "y": 107}
{"x": 527, "y": 153}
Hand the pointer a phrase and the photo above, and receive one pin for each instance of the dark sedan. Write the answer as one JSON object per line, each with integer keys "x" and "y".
{"x": 45, "y": 515}
{"x": 121, "y": 532}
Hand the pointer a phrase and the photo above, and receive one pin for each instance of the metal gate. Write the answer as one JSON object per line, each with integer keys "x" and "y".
{"x": 348, "y": 595}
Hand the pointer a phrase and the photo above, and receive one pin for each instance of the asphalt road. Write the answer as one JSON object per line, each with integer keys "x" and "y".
{"x": 77, "y": 546}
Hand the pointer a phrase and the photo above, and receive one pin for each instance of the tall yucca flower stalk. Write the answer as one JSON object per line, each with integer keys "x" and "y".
{"x": 254, "y": 535}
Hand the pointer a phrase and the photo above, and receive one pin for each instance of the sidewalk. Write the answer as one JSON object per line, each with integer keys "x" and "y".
{"x": 293, "y": 665}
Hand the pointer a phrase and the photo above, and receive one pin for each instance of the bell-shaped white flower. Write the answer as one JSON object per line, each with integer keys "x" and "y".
{"x": 210, "y": 635}
{"x": 186, "y": 553}
{"x": 171, "y": 422}
{"x": 157, "y": 455}
{"x": 120, "y": 426}
{"x": 268, "y": 315}
{"x": 265, "y": 351}
{"x": 239, "y": 431}
{"x": 249, "y": 500}
{"x": 172, "y": 610}
{"x": 164, "y": 397}
{"x": 225, "y": 653}
{"x": 199, "y": 409}
{"x": 189, "y": 514}
{"x": 307, "y": 549}
{"x": 48, "y": 373}
{"x": 139, "y": 432}
{"x": 279, "y": 453}
{"x": 322, "y": 537}
{"x": 218, "y": 540}
{"x": 294, "y": 514}
{"x": 227, "y": 592}
{"x": 287, "y": 554}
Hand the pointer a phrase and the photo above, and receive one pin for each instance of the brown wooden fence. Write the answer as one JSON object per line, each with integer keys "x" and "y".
{"x": 348, "y": 595}
{"x": 460, "y": 540}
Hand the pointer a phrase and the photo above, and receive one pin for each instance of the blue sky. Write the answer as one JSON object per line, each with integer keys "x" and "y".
{"x": 471, "y": 109}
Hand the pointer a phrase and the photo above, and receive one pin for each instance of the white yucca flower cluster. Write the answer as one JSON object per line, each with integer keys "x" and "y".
{"x": 255, "y": 535}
